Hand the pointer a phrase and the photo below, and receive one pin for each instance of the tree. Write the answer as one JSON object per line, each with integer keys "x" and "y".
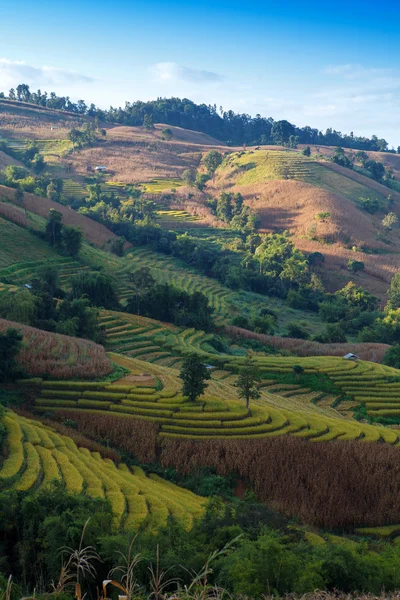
{"x": 281, "y": 132}
{"x": 298, "y": 370}
{"x": 394, "y": 293}
{"x": 98, "y": 287}
{"x": 357, "y": 297}
{"x": 71, "y": 238}
{"x": 148, "y": 122}
{"x": 38, "y": 163}
{"x": 194, "y": 374}
{"x": 117, "y": 246}
{"x": 389, "y": 220}
{"x": 167, "y": 134}
{"x": 355, "y": 265}
{"x": 341, "y": 159}
{"x": 247, "y": 382}
{"x": 19, "y": 198}
{"x": 20, "y": 307}
{"x": 212, "y": 161}
{"x": 376, "y": 169}
{"x": 392, "y": 357}
{"x": 371, "y": 205}
{"x": 201, "y": 180}
{"x": 23, "y": 92}
{"x": 54, "y": 227}
{"x": 307, "y": 151}
{"x": 322, "y": 216}
{"x": 189, "y": 176}
{"x": 10, "y": 345}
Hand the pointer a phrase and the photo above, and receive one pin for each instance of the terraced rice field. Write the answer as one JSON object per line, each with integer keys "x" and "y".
{"x": 38, "y": 456}
{"x": 152, "y": 341}
{"x": 169, "y": 217}
{"x": 74, "y": 189}
{"x": 263, "y": 165}
{"x": 217, "y": 415}
{"x": 167, "y": 270}
{"x": 157, "y": 186}
{"x": 23, "y": 272}
{"x": 376, "y": 386}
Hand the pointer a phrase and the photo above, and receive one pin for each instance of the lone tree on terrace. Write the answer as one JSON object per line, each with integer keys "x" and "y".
{"x": 247, "y": 382}
{"x": 194, "y": 374}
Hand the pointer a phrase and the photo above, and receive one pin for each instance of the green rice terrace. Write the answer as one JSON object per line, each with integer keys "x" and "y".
{"x": 260, "y": 165}
{"x": 282, "y": 408}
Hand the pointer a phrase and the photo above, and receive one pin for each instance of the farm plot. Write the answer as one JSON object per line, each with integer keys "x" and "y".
{"x": 59, "y": 355}
{"x": 38, "y": 456}
{"x": 17, "y": 245}
{"x": 261, "y": 166}
{"x": 24, "y": 272}
{"x": 216, "y": 415}
{"x": 152, "y": 341}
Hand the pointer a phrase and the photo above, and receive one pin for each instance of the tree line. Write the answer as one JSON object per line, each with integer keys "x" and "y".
{"x": 225, "y": 125}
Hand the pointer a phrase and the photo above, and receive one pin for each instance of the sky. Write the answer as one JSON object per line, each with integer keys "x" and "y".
{"x": 323, "y": 64}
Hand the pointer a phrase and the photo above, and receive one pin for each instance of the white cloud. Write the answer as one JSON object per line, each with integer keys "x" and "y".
{"x": 13, "y": 73}
{"x": 172, "y": 72}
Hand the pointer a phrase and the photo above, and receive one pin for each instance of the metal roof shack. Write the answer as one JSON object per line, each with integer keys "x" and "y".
{"x": 351, "y": 356}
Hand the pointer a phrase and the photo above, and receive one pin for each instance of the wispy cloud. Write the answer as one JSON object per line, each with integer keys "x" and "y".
{"x": 172, "y": 72}
{"x": 14, "y": 72}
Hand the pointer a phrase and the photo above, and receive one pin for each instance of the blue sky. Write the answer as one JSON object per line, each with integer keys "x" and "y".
{"x": 314, "y": 63}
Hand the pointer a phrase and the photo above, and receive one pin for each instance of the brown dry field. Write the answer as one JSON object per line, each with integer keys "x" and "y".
{"x": 94, "y": 232}
{"x": 134, "y": 155}
{"x": 19, "y": 120}
{"x": 293, "y": 205}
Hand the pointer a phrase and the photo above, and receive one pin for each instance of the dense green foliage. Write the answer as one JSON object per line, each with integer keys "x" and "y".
{"x": 46, "y": 306}
{"x": 99, "y": 288}
{"x": 266, "y": 555}
{"x": 167, "y": 303}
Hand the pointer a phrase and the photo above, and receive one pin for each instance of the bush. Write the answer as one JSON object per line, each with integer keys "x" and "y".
{"x": 371, "y": 205}
{"x": 333, "y": 334}
{"x": 392, "y": 357}
{"x": 355, "y": 265}
{"x": 10, "y": 345}
{"x": 297, "y": 331}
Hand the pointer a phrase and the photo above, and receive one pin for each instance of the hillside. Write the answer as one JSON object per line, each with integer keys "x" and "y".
{"x": 61, "y": 356}
{"x": 290, "y": 191}
{"x": 96, "y": 233}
